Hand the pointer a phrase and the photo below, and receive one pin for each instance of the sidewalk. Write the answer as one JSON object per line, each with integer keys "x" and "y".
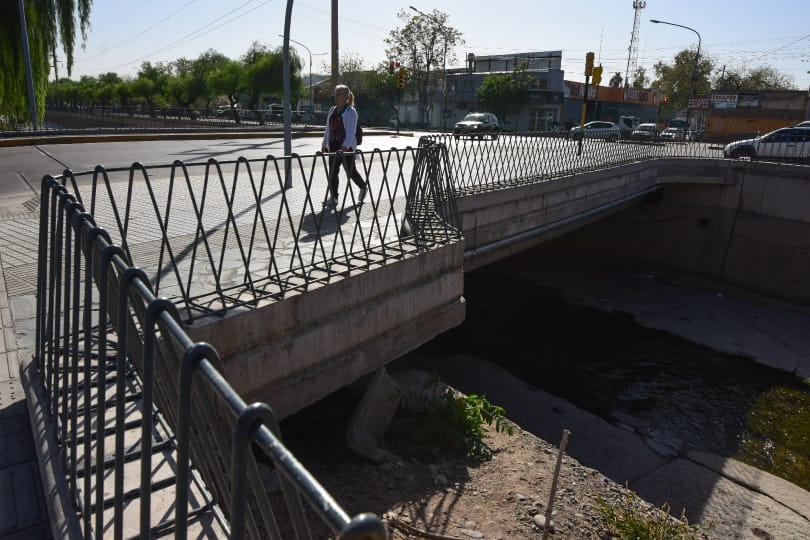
{"x": 24, "y": 512}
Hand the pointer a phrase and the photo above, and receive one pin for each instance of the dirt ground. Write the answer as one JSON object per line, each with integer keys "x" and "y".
{"x": 504, "y": 497}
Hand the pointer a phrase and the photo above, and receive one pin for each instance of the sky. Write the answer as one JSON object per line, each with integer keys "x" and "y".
{"x": 735, "y": 34}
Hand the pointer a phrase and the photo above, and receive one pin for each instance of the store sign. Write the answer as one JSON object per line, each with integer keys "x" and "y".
{"x": 700, "y": 103}
{"x": 724, "y": 101}
{"x": 748, "y": 100}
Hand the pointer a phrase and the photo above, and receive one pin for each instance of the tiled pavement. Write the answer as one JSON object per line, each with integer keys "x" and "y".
{"x": 23, "y": 511}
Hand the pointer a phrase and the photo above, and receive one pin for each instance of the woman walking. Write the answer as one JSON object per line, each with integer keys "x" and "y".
{"x": 339, "y": 135}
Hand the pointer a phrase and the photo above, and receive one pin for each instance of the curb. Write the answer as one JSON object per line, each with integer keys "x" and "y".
{"x": 74, "y": 138}
{"x": 64, "y": 521}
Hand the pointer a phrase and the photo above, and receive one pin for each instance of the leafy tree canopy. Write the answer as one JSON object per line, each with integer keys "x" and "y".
{"x": 49, "y": 23}
{"x": 505, "y": 93}
{"x": 424, "y": 44}
{"x": 758, "y": 78}
{"x": 676, "y": 80}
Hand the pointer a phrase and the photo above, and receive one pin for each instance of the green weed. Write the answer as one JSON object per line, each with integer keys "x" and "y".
{"x": 628, "y": 520}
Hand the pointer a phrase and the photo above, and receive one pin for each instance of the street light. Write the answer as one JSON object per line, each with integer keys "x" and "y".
{"x": 311, "y": 92}
{"x": 444, "y": 67}
{"x": 694, "y": 68}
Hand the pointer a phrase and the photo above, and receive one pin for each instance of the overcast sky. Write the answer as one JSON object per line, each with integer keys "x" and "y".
{"x": 738, "y": 33}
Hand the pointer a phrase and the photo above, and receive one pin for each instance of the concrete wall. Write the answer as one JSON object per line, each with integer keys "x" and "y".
{"x": 752, "y": 231}
{"x": 500, "y": 223}
{"x": 294, "y": 352}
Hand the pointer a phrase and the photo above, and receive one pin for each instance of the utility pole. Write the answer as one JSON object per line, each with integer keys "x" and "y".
{"x": 29, "y": 78}
{"x": 335, "y": 55}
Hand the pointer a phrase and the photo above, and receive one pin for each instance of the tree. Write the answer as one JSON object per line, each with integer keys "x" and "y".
{"x": 616, "y": 81}
{"x": 505, "y": 93}
{"x": 424, "y": 43}
{"x": 640, "y": 79}
{"x": 675, "y": 81}
{"x": 151, "y": 83}
{"x": 763, "y": 77}
{"x": 352, "y": 72}
{"x": 48, "y": 22}
{"x": 225, "y": 81}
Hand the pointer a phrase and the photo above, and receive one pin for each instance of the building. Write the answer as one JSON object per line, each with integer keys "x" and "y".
{"x": 544, "y": 99}
{"x": 749, "y": 113}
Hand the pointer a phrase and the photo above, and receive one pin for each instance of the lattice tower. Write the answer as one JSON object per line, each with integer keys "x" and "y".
{"x": 632, "y": 50}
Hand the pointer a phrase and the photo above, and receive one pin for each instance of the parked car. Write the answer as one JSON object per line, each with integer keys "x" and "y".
{"x": 672, "y": 134}
{"x": 596, "y": 130}
{"x": 645, "y": 132}
{"x": 477, "y": 125}
{"x": 805, "y": 124}
{"x": 782, "y": 144}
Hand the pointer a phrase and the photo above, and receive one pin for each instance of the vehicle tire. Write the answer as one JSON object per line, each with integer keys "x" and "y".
{"x": 455, "y": 136}
{"x": 743, "y": 153}
{"x": 612, "y": 138}
{"x": 494, "y": 136}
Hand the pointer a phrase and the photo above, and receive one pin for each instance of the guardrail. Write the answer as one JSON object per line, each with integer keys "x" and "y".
{"x": 501, "y": 160}
{"x": 213, "y": 236}
{"x": 143, "y": 413}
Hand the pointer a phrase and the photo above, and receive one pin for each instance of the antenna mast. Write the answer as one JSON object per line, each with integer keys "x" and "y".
{"x": 632, "y": 51}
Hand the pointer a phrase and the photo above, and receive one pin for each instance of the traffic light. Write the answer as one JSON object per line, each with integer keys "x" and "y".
{"x": 403, "y": 73}
{"x": 589, "y": 63}
{"x": 597, "y": 75}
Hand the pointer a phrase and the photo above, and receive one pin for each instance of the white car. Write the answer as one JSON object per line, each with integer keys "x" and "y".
{"x": 782, "y": 144}
{"x": 596, "y": 130}
{"x": 673, "y": 134}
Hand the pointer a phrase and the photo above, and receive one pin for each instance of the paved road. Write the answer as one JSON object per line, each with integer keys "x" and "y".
{"x": 22, "y": 167}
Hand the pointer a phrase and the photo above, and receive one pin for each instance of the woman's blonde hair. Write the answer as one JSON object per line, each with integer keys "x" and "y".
{"x": 349, "y": 95}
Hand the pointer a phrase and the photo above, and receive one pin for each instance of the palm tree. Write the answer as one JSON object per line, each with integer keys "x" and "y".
{"x": 48, "y": 22}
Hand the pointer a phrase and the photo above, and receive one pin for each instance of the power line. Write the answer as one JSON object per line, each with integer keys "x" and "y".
{"x": 194, "y": 34}
{"x": 139, "y": 34}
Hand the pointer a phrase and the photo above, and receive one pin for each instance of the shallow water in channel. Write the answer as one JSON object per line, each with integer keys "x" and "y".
{"x": 674, "y": 393}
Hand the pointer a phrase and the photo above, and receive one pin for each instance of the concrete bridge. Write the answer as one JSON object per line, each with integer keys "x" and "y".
{"x": 741, "y": 222}
{"x": 299, "y": 301}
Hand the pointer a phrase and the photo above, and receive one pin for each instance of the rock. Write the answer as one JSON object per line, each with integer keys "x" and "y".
{"x": 540, "y": 521}
{"x": 471, "y": 533}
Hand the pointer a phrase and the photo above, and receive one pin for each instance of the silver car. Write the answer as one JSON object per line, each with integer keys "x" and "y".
{"x": 596, "y": 130}
{"x": 782, "y": 144}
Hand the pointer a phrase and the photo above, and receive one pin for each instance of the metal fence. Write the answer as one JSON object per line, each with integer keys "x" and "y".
{"x": 505, "y": 160}
{"x": 152, "y": 437}
{"x": 98, "y": 118}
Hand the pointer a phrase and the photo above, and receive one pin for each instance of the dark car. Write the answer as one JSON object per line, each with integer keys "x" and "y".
{"x": 645, "y": 132}
{"x": 477, "y": 125}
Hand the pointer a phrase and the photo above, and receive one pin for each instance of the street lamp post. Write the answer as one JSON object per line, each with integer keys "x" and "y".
{"x": 311, "y": 91}
{"x": 694, "y": 67}
{"x": 444, "y": 67}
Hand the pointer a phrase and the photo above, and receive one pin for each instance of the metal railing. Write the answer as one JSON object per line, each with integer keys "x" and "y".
{"x": 145, "y": 419}
{"x": 213, "y": 236}
{"x": 510, "y": 159}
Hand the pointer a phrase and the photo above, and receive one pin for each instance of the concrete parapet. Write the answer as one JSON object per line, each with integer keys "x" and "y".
{"x": 292, "y": 353}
